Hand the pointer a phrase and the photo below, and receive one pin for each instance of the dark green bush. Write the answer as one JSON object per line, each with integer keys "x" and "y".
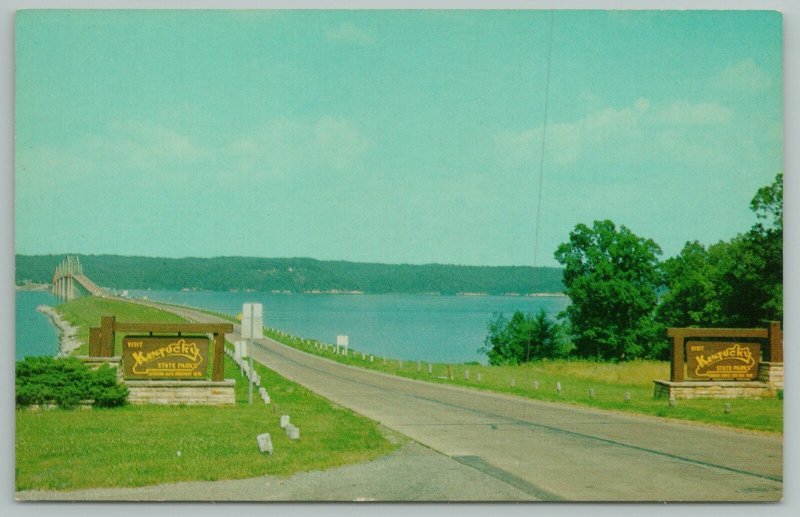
{"x": 780, "y": 394}
{"x": 66, "y": 382}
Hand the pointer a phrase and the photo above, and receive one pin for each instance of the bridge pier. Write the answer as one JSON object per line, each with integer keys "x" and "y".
{"x": 69, "y": 280}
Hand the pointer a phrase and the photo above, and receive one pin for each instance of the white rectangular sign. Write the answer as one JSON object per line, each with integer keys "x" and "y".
{"x": 252, "y": 321}
{"x": 341, "y": 341}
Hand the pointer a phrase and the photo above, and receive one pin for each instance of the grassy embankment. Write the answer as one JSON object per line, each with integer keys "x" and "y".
{"x": 145, "y": 445}
{"x": 610, "y": 383}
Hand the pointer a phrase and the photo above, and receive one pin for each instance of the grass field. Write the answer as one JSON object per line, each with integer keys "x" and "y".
{"x": 86, "y": 312}
{"x": 626, "y": 386}
{"x": 145, "y": 445}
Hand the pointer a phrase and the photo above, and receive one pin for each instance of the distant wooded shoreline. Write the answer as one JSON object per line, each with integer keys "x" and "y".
{"x": 297, "y": 275}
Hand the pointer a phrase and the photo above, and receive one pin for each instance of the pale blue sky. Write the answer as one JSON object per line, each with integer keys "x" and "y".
{"x": 388, "y": 136}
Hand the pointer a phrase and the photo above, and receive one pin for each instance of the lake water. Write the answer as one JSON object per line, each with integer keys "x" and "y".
{"x": 410, "y": 327}
{"x": 36, "y": 334}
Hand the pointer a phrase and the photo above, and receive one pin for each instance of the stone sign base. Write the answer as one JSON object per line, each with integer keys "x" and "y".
{"x": 712, "y": 389}
{"x": 766, "y": 385}
{"x": 771, "y": 373}
{"x": 204, "y": 392}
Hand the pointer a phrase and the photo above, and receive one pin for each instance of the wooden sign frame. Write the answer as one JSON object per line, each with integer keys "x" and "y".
{"x": 101, "y": 341}
{"x": 771, "y": 336}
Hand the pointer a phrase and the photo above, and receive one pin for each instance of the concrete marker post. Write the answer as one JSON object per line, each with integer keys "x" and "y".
{"x": 264, "y": 442}
{"x": 558, "y": 387}
{"x": 242, "y": 356}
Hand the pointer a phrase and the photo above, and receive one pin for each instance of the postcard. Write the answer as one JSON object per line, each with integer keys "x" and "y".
{"x": 399, "y": 255}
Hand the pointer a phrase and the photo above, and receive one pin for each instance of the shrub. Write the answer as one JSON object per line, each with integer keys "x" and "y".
{"x": 522, "y": 339}
{"x": 66, "y": 382}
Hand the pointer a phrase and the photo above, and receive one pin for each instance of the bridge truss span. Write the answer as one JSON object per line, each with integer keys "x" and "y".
{"x": 69, "y": 281}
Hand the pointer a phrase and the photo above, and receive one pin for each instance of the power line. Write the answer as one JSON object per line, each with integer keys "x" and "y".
{"x": 541, "y": 171}
{"x": 544, "y": 138}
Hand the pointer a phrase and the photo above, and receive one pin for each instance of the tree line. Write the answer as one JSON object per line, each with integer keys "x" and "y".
{"x": 623, "y": 297}
{"x": 293, "y": 275}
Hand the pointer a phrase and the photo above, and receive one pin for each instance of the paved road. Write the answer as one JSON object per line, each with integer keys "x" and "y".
{"x": 547, "y": 451}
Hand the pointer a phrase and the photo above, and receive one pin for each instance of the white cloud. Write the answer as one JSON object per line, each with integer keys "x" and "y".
{"x": 338, "y": 142}
{"x": 743, "y": 78}
{"x": 681, "y": 130}
{"x": 283, "y": 144}
{"x": 687, "y": 113}
{"x": 349, "y": 33}
{"x": 142, "y": 154}
{"x": 128, "y": 151}
{"x": 148, "y": 145}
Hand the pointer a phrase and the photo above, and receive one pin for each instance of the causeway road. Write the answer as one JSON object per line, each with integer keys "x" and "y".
{"x": 546, "y": 451}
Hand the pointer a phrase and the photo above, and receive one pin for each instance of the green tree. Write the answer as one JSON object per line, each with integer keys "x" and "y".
{"x": 738, "y": 283}
{"x": 522, "y": 339}
{"x": 611, "y": 277}
{"x": 753, "y": 276}
{"x": 692, "y": 280}
{"x": 768, "y": 202}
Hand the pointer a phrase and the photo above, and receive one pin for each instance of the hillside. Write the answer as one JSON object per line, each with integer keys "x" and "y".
{"x": 294, "y": 275}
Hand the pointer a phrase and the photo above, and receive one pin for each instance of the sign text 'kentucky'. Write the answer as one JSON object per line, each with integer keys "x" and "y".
{"x": 174, "y": 357}
{"x": 718, "y": 360}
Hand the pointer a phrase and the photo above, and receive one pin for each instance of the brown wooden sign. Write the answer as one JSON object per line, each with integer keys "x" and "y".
{"x": 174, "y": 357}
{"x": 109, "y": 326}
{"x": 770, "y": 338}
{"x": 722, "y": 360}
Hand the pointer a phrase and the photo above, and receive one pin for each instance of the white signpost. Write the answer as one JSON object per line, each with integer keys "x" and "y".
{"x": 342, "y": 341}
{"x": 252, "y": 328}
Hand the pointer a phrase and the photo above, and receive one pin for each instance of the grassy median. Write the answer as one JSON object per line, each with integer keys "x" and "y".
{"x": 145, "y": 445}
{"x": 86, "y": 312}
